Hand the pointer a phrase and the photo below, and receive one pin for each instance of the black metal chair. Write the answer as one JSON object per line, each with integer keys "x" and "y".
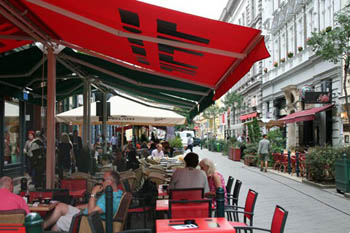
{"x": 233, "y": 200}
{"x": 229, "y": 187}
{"x": 95, "y": 223}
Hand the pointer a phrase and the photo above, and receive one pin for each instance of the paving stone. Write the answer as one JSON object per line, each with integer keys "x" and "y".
{"x": 311, "y": 209}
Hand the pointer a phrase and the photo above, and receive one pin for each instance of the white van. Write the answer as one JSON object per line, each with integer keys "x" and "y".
{"x": 184, "y": 136}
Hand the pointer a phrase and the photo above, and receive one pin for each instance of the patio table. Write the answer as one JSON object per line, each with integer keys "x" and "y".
{"x": 42, "y": 208}
{"x": 163, "y": 205}
{"x": 205, "y": 225}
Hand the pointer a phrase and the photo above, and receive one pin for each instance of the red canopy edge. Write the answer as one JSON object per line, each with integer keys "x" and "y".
{"x": 306, "y": 115}
{"x": 249, "y": 115}
{"x": 189, "y": 47}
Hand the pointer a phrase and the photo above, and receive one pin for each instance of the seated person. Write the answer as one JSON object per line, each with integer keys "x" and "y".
{"x": 61, "y": 217}
{"x": 215, "y": 179}
{"x": 119, "y": 161}
{"x": 9, "y": 200}
{"x": 133, "y": 163}
{"x": 158, "y": 153}
{"x": 189, "y": 177}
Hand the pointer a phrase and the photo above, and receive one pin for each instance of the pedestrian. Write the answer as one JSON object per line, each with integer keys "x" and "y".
{"x": 26, "y": 150}
{"x": 64, "y": 155}
{"x": 114, "y": 142}
{"x": 189, "y": 143}
{"x": 38, "y": 151}
{"x": 263, "y": 152}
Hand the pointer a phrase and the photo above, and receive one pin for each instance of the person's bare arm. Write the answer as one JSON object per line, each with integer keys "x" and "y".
{"x": 92, "y": 207}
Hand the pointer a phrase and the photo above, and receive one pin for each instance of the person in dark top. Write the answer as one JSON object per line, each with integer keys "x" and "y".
{"x": 133, "y": 163}
{"x": 64, "y": 155}
{"x": 144, "y": 145}
{"x": 153, "y": 147}
{"x": 119, "y": 161}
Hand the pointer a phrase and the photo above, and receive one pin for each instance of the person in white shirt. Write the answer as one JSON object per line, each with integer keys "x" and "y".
{"x": 158, "y": 153}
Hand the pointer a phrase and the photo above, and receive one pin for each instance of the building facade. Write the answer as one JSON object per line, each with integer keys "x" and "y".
{"x": 246, "y": 13}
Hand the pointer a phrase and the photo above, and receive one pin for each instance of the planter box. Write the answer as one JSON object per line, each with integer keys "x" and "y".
{"x": 230, "y": 153}
{"x": 342, "y": 175}
{"x": 250, "y": 160}
{"x": 236, "y": 154}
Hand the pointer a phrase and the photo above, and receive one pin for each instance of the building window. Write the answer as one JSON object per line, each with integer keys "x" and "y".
{"x": 11, "y": 133}
{"x": 309, "y": 23}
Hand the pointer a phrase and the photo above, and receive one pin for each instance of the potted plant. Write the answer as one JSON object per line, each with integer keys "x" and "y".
{"x": 283, "y": 60}
{"x": 265, "y": 70}
{"x": 275, "y": 64}
{"x": 290, "y": 54}
{"x": 300, "y": 48}
{"x": 176, "y": 144}
{"x": 329, "y": 28}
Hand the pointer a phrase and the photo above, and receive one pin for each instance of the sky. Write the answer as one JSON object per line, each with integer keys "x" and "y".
{"x": 206, "y": 8}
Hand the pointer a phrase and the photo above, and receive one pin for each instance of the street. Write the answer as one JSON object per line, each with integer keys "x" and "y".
{"x": 311, "y": 209}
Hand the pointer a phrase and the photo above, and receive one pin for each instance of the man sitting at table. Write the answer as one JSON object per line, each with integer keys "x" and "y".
{"x": 189, "y": 177}
{"x": 158, "y": 153}
{"x": 63, "y": 213}
{"x": 9, "y": 200}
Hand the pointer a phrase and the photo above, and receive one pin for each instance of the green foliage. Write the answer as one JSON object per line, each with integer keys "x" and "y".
{"x": 277, "y": 140}
{"x": 320, "y": 163}
{"x": 251, "y": 148}
{"x": 231, "y": 98}
{"x": 254, "y": 131}
{"x": 333, "y": 44}
{"x": 176, "y": 142}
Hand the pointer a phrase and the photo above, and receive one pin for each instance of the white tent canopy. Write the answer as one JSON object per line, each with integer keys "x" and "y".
{"x": 124, "y": 111}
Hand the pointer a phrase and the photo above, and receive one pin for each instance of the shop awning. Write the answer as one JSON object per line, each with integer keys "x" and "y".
{"x": 170, "y": 44}
{"x": 306, "y": 115}
{"x": 247, "y": 116}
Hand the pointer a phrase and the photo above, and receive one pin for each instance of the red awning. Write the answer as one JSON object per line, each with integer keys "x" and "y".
{"x": 250, "y": 115}
{"x": 185, "y": 47}
{"x": 306, "y": 115}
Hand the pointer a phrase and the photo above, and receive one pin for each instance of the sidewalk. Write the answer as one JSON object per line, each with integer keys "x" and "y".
{"x": 311, "y": 209}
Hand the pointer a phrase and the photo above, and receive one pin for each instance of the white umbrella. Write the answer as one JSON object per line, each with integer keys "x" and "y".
{"x": 124, "y": 111}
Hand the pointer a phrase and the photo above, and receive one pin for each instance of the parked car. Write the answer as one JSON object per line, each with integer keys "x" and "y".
{"x": 196, "y": 141}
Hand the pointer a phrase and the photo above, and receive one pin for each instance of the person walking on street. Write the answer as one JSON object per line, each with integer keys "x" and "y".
{"x": 263, "y": 152}
{"x": 189, "y": 143}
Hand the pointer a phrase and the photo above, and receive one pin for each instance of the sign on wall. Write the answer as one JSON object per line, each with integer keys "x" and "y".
{"x": 318, "y": 97}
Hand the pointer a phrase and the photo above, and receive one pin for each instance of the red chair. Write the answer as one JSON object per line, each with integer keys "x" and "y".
{"x": 278, "y": 222}
{"x": 248, "y": 213}
{"x": 189, "y": 209}
{"x": 277, "y": 159}
{"x": 186, "y": 194}
{"x": 77, "y": 187}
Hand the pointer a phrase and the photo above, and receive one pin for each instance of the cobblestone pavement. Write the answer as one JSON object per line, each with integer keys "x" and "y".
{"x": 311, "y": 209}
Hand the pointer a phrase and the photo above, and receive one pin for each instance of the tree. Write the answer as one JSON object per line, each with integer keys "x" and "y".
{"x": 333, "y": 45}
{"x": 230, "y": 100}
{"x": 212, "y": 112}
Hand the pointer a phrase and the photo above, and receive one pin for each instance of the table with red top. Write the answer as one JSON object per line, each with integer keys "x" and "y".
{"x": 162, "y": 193}
{"x": 11, "y": 228}
{"x": 77, "y": 193}
{"x": 163, "y": 205}
{"x": 209, "y": 225}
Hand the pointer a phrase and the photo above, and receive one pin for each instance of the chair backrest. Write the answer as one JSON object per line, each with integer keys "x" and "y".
{"x": 75, "y": 224}
{"x": 12, "y": 216}
{"x": 279, "y": 220}
{"x": 61, "y": 195}
{"x": 95, "y": 223}
{"x": 229, "y": 184}
{"x": 236, "y": 191}
{"x": 250, "y": 205}
{"x": 122, "y": 212}
{"x": 131, "y": 180}
{"x": 186, "y": 194}
{"x": 74, "y": 184}
{"x": 189, "y": 208}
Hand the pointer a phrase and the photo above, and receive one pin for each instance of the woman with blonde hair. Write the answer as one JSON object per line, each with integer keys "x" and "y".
{"x": 64, "y": 155}
{"x": 215, "y": 179}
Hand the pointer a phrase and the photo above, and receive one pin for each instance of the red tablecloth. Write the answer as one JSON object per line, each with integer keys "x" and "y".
{"x": 209, "y": 225}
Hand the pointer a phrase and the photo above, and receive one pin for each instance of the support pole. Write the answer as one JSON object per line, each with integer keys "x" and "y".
{"x": 50, "y": 119}
{"x": 289, "y": 163}
{"x": 87, "y": 114}
{"x": 220, "y": 202}
{"x": 297, "y": 170}
{"x": 109, "y": 209}
{"x": 104, "y": 120}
